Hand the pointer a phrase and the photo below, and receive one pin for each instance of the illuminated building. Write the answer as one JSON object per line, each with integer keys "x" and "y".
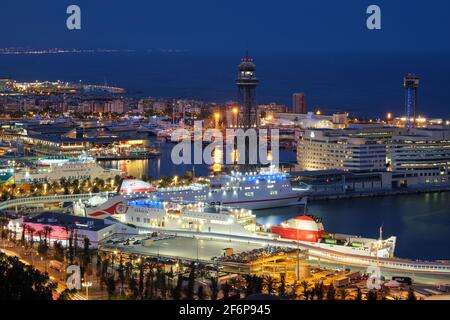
{"x": 325, "y": 149}
{"x": 421, "y": 157}
{"x": 299, "y": 103}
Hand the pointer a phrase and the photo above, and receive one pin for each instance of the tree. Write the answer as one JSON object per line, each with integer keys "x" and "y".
{"x": 331, "y": 292}
{"x": 200, "y": 293}
{"x": 111, "y": 287}
{"x": 23, "y": 282}
{"x": 191, "y": 282}
{"x": 358, "y": 294}
{"x": 133, "y": 285}
{"x": 31, "y": 232}
{"x": 411, "y": 295}
{"x": 86, "y": 252}
{"x": 372, "y": 295}
{"x": 141, "y": 280}
{"x": 214, "y": 288}
{"x": 225, "y": 290}
{"x": 269, "y": 284}
{"x": 282, "y": 287}
{"x": 319, "y": 290}
{"x": 24, "y": 230}
{"x": 176, "y": 293}
{"x": 343, "y": 293}
{"x": 304, "y": 284}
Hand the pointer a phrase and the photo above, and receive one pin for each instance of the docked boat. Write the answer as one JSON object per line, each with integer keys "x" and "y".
{"x": 267, "y": 188}
{"x": 150, "y": 213}
{"x": 309, "y": 229}
{"x": 55, "y": 168}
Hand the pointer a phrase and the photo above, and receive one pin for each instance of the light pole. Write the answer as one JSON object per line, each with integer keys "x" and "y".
{"x": 235, "y": 113}
{"x": 87, "y": 284}
{"x": 217, "y": 118}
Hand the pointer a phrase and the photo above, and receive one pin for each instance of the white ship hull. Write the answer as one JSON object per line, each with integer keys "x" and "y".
{"x": 258, "y": 201}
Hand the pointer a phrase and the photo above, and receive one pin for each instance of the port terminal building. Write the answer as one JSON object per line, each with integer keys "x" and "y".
{"x": 374, "y": 158}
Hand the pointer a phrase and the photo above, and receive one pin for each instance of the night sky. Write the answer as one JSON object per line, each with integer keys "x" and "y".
{"x": 232, "y": 25}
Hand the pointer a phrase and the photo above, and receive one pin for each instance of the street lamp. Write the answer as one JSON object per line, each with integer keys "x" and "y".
{"x": 235, "y": 111}
{"x": 87, "y": 284}
{"x": 217, "y": 118}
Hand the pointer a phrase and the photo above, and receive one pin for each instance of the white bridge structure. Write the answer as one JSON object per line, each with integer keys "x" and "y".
{"x": 24, "y": 202}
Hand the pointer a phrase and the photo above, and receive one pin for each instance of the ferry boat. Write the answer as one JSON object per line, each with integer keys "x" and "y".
{"x": 267, "y": 188}
{"x": 54, "y": 168}
{"x": 148, "y": 212}
{"x": 151, "y": 213}
{"x": 309, "y": 229}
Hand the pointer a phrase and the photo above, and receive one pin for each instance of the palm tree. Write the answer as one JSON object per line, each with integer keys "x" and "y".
{"x": 47, "y": 235}
{"x": 343, "y": 293}
{"x": 282, "y": 287}
{"x": 319, "y": 290}
{"x": 269, "y": 283}
{"x": 331, "y": 292}
{"x": 358, "y": 294}
{"x": 214, "y": 288}
{"x": 305, "y": 286}
{"x": 411, "y": 295}
{"x": 40, "y": 233}
{"x": 31, "y": 232}
{"x": 24, "y": 230}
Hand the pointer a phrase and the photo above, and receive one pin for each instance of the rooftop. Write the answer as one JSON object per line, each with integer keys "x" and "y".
{"x": 77, "y": 222}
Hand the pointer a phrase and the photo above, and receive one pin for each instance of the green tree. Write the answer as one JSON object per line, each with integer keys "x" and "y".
{"x": 23, "y": 282}
{"x": 331, "y": 292}
{"x": 411, "y": 295}
{"x": 111, "y": 287}
{"x": 343, "y": 293}
{"x": 191, "y": 282}
{"x": 358, "y": 294}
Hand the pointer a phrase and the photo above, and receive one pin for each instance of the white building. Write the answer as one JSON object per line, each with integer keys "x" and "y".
{"x": 421, "y": 157}
{"x": 334, "y": 149}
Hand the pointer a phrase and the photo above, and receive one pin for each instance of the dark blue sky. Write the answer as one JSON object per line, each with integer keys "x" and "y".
{"x": 232, "y": 25}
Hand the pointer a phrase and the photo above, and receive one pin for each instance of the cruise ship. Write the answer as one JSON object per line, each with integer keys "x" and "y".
{"x": 267, "y": 188}
{"x": 55, "y": 168}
